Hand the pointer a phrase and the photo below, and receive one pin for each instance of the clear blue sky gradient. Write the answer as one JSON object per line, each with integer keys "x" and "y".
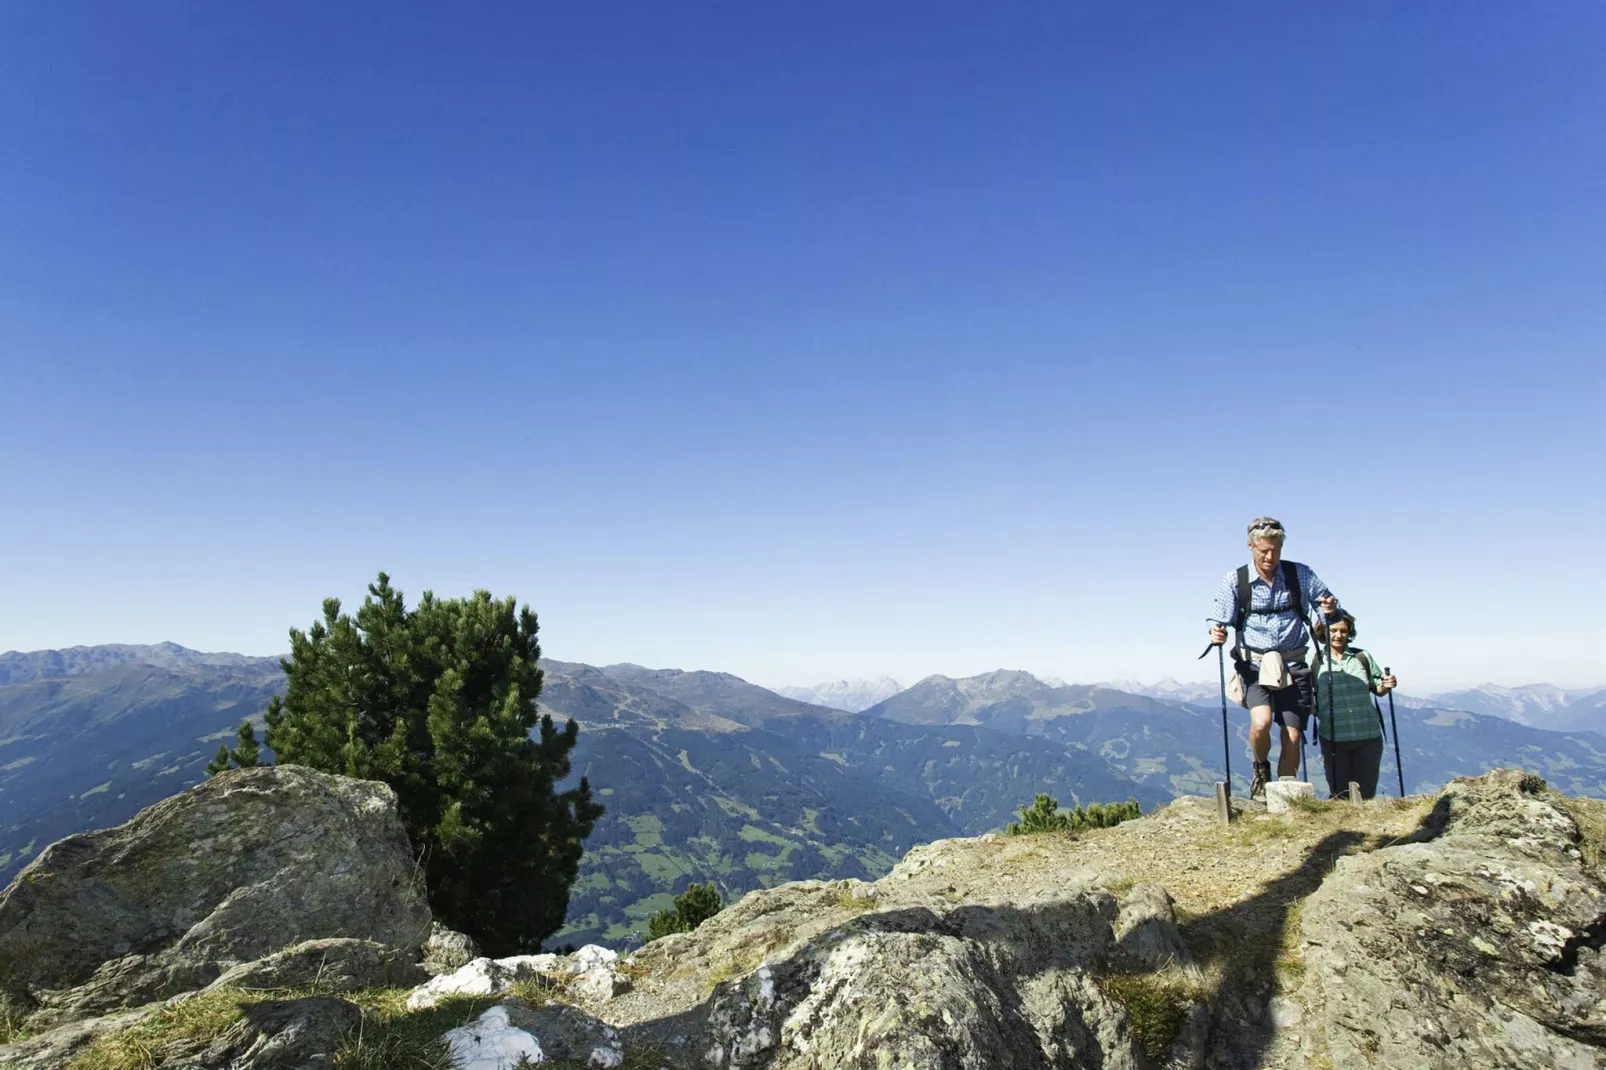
{"x": 806, "y": 341}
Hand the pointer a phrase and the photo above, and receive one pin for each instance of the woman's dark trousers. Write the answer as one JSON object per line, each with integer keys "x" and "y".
{"x": 1357, "y": 760}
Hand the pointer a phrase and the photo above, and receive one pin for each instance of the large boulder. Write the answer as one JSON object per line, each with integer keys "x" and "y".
{"x": 847, "y": 974}
{"x": 236, "y": 869}
{"x": 1480, "y": 946}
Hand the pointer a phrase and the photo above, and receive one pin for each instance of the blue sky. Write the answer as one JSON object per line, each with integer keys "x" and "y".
{"x": 806, "y": 341}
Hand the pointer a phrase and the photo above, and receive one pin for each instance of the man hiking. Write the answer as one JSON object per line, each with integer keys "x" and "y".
{"x": 1266, "y": 602}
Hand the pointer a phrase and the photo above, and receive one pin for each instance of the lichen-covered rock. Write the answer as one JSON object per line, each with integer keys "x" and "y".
{"x": 233, "y": 870}
{"x": 447, "y": 951}
{"x": 55, "y": 1048}
{"x": 850, "y": 975}
{"x": 1146, "y": 933}
{"x": 295, "y": 1034}
{"x": 334, "y": 965}
{"x": 1478, "y": 947}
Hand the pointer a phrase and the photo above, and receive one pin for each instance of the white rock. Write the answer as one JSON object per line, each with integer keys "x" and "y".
{"x": 589, "y": 958}
{"x": 1280, "y": 793}
{"x": 595, "y": 976}
{"x": 605, "y": 1058}
{"x": 524, "y": 965}
{"x": 482, "y": 977}
{"x": 599, "y": 984}
{"x": 1284, "y": 1013}
{"x": 490, "y": 1043}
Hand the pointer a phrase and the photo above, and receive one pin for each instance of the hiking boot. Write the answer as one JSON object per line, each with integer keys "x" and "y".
{"x": 1257, "y": 783}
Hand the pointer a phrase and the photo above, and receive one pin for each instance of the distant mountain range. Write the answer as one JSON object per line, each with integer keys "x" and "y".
{"x": 709, "y": 777}
{"x": 1535, "y": 705}
{"x": 17, "y": 667}
{"x": 90, "y": 736}
{"x": 850, "y": 695}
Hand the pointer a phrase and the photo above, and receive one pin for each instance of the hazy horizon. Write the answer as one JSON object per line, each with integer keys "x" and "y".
{"x": 903, "y": 683}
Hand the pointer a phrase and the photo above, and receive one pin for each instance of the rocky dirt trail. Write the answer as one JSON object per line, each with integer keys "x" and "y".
{"x": 1218, "y": 910}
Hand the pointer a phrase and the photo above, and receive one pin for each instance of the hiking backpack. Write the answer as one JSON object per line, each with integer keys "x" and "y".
{"x": 1296, "y": 599}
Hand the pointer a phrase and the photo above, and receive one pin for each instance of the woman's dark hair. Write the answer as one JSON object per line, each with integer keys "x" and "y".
{"x": 1343, "y": 615}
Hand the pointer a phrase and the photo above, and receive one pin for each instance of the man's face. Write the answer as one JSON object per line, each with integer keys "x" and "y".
{"x": 1266, "y": 553}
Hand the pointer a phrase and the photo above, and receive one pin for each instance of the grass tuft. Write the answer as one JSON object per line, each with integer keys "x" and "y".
{"x": 1289, "y": 966}
{"x": 1310, "y": 804}
{"x": 393, "y": 1038}
{"x": 12, "y": 1024}
{"x": 1252, "y": 829}
{"x": 202, "y": 1017}
{"x": 1155, "y": 1005}
{"x": 541, "y": 988}
{"x": 390, "y": 1037}
{"x": 846, "y": 900}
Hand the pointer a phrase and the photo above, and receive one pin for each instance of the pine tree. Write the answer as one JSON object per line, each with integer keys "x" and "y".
{"x": 695, "y": 905}
{"x": 219, "y": 762}
{"x": 439, "y": 702}
{"x": 1042, "y": 816}
{"x": 245, "y": 754}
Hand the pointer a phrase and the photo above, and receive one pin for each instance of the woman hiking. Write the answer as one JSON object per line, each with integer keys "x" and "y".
{"x": 1352, "y": 727}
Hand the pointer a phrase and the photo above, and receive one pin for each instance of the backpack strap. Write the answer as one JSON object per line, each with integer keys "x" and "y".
{"x": 1296, "y": 597}
{"x": 1240, "y": 615}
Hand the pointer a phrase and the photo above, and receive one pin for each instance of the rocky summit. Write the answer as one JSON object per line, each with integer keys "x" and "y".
{"x": 1453, "y": 930}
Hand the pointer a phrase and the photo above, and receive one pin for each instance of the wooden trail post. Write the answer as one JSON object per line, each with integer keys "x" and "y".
{"x": 1223, "y": 806}
{"x": 1354, "y": 794}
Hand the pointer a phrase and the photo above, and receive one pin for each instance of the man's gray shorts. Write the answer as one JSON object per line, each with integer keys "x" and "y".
{"x": 1291, "y": 705}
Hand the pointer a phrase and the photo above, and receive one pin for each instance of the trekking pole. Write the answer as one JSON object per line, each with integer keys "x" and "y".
{"x": 1226, "y": 740}
{"x": 1382, "y": 730}
{"x": 1398, "y": 768}
{"x": 1316, "y": 702}
{"x": 1304, "y": 751}
{"x": 1330, "y": 704}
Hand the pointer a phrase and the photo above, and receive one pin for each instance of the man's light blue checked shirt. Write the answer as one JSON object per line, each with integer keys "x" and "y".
{"x": 1284, "y": 631}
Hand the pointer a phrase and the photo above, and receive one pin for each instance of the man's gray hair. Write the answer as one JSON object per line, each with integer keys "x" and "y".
{"x": 1265, "y": 527}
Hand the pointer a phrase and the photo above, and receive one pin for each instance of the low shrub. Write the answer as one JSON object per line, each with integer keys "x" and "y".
{"x": 1044, "y": 815}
